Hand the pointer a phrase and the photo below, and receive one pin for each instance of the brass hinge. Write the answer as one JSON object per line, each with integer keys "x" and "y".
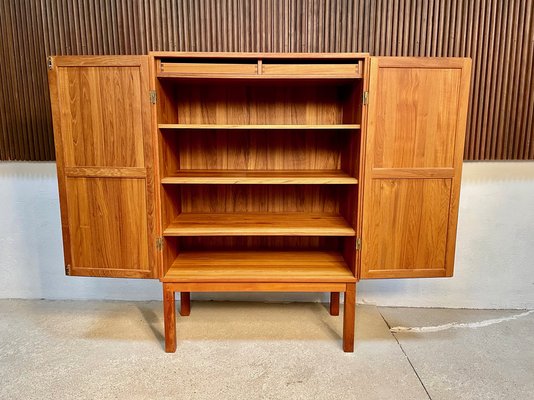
{"x": 159, "y": 244}
{"x": 67, "y": 269}
{"x": 153, "y": 97}
{"x": 49, "y": 62}
{"x": 358, "y": 244}
{"x": 365, "y": 98}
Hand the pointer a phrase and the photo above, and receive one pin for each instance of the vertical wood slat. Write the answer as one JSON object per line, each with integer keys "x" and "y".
{"x": 499, "y": 36}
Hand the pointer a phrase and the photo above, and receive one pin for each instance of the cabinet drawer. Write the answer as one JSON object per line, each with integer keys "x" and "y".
{"x": 200, "y": 69}
{"x": 319, "y": 70}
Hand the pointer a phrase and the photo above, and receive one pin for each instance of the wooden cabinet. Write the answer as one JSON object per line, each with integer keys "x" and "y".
{"x": 259, "y": 172}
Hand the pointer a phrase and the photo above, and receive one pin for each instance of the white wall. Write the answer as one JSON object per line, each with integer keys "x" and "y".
{"x": 494, "y": 259}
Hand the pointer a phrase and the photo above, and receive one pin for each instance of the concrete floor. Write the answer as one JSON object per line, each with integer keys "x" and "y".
{"x": 114, "y": 350}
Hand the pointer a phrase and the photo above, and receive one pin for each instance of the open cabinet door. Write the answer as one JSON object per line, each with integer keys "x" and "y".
{"x": 413, "y": 159}
{"x": 104, "y": 152}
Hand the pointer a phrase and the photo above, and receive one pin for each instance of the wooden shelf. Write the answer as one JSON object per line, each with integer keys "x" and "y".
{"x": 259, "y": 266}
{"x": 275, "y": 177}
{"x": 259, "y": 224}
{"x": 256, "y": 126}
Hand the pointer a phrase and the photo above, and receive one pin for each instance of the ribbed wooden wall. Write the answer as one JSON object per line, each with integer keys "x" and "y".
{"x": 25, "y": 121}
{"x": 497, "y": 34}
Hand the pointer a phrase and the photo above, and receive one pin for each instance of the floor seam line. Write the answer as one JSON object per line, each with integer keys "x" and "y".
{"x": 405, "y": 355}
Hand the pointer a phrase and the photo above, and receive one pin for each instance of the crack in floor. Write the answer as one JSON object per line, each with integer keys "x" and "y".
{"x": 405, "y": 355}
{"x": 457, "y": 325}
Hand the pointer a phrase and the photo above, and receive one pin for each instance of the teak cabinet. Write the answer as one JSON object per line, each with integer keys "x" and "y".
{"x": 259, "y": 172}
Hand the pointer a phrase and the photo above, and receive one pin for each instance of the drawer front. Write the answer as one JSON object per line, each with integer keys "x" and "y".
{"x": 324, "y": 70}
{"x": 209, "y": 68}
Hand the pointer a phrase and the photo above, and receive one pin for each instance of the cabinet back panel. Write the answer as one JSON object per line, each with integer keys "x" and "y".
{"x": 260, "y": 242}
{"x": 101, "y": 116}
{"x": 258, "y": 103}
{"x": 255, "y": 150}
{"x": 261, "y": 198}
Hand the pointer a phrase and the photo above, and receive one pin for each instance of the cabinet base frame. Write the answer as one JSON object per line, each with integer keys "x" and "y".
{"x": 169, "y": 306}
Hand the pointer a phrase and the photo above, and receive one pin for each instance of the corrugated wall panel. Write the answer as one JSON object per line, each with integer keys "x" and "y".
{"x": 25, "y": 120}
{"x": 498, "y": 35}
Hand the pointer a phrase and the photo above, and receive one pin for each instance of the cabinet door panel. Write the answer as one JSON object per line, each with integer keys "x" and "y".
{"x": 107, "y": 224}
{"x": 413, "y": 157}
{"x": 104, "y": 152}
{"x": 408, "y": 231}
{"x": 417, "y": 113}
{"x": 100, "y": 124}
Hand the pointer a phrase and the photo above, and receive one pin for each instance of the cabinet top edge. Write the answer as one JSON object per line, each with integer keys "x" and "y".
{"x": 422, "y": 58}
{"x": 197, "y": 54}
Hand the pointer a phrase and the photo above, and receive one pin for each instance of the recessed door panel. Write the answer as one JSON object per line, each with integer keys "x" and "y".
{"x": 101, "y": 118}
{"x": 408, "y": 231}
{"x": 417, "y": 111}
{"x": 107, "y": 224}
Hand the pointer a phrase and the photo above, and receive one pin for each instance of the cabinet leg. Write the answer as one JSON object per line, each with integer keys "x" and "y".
{"x": 169, "y": 317}
{"x": 185, "y": 304}
{"x": 348, "y": 318}
{"x": 334, "y": 303}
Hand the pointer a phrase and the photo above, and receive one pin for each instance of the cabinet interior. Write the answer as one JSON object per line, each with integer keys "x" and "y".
{"x": 258, "y": 167}
{"x": 262, "y": 102}
{"x": 273, "y": 150}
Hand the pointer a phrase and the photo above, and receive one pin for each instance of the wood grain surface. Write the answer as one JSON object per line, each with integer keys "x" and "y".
{"x": 261, "y": 198}
{"x": 101, "y": 126}
{"x": 107, "y": 224}
{"x": 259, "y": 224}
{"x": 104, "y": 150}
{"x": 250, "y": 150}
{"x": 269, "y": 177}
{"x": 414, "y": 146}
{"x": 259, "y": 266}
{"x": 257, "y": 103}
